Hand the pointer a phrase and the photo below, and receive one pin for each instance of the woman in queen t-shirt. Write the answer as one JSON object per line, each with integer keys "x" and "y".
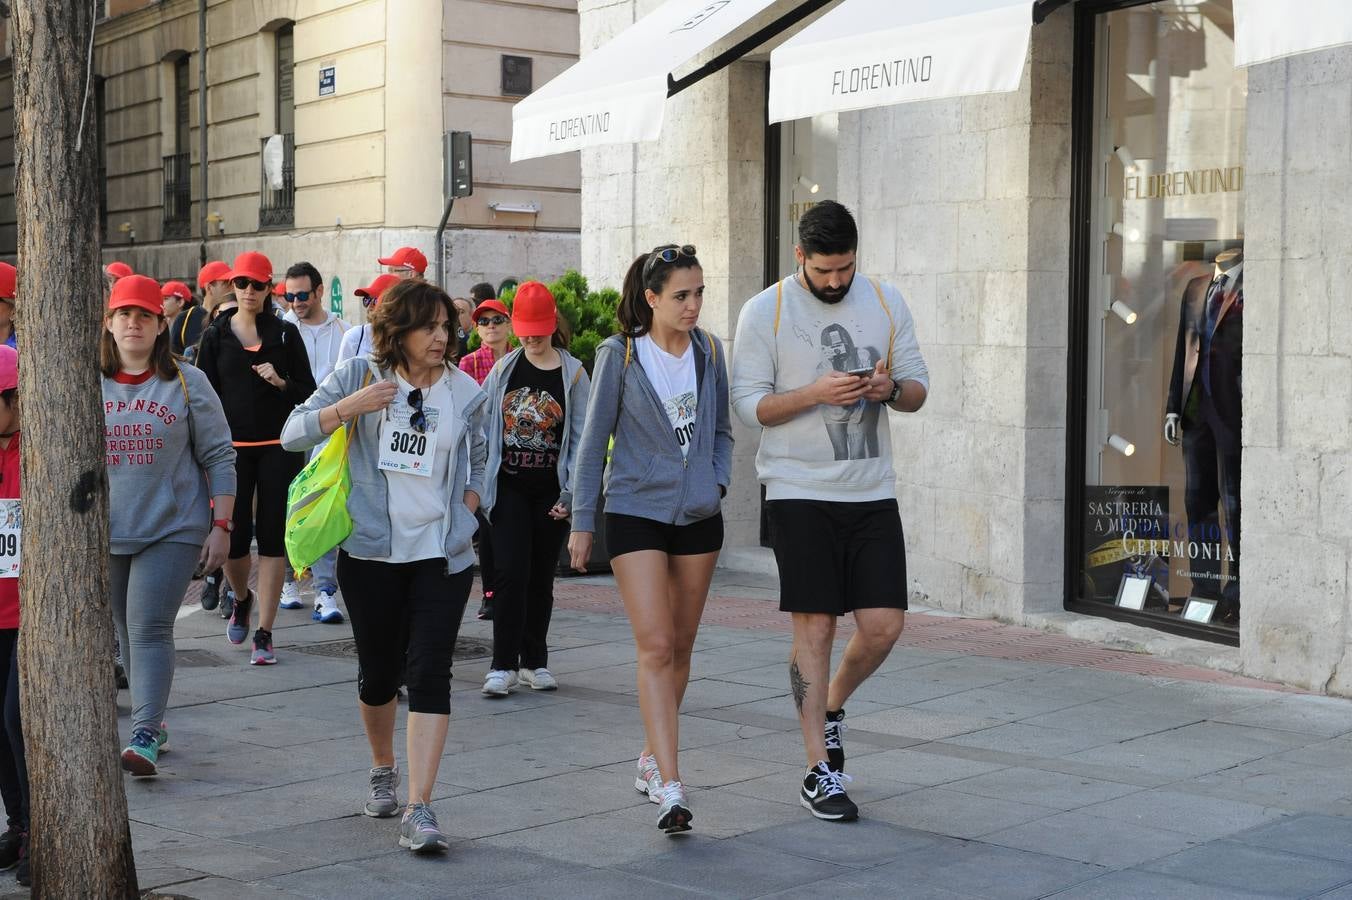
{"x": 537, "y": 401}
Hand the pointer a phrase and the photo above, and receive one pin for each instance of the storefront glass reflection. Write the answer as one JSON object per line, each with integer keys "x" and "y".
{"x": 1162, "y": 514}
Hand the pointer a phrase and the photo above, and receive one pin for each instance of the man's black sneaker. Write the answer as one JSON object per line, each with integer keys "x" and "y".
{"x": 824, "y": 794}
{"x": 227, "y": 603}
{"x": 211, "y": 591}
{"x": 486, "y": 608}
{"x": 835, "y": 750}
{"x": 11, "y": 843}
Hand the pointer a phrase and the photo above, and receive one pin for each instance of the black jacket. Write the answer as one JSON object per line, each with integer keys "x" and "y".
{"x": 1225, "y": 359}
{"x": 186, "y": 330}
{"x": 255, "y": 409}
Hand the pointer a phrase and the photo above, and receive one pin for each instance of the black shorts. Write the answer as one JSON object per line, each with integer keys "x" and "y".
{"x": 838, "y": 557}
{"x": 625, "y": 534}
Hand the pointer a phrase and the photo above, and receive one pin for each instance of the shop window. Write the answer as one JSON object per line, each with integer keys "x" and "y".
{"x": 1157, "y": 510}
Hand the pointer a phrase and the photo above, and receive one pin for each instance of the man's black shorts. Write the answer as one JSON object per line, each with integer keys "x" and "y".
{"x": 838, "y": 557}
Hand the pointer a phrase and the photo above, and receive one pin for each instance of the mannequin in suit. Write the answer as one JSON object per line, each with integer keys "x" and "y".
{"x": 1204, "y": 412}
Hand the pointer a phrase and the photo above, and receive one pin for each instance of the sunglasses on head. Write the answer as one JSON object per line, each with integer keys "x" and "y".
{"x": 493, "y": 320}
{"x": 667, "y": 254}
{"x": 243, "y": 282}
{"x": 418, "y": 420}
{"x": 297, "y": 297}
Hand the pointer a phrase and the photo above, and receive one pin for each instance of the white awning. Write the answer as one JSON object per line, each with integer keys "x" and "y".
{"x": 1270, "y": 29}
{"x": 868, "y": 53}
{"x": 618, "y": 93}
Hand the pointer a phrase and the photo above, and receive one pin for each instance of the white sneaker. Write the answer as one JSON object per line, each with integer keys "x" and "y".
{"x": 291, "y": 595}
{"x": 499, "y": 683}
{"x": 540, "y": 679}
{"x": 674, "y": 814}
{"x": 649, "y": 780}
{"x": 326, "y": 609}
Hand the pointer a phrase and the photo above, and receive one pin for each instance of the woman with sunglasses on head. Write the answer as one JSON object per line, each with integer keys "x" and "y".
{"x": 661, "y": 390}
{"x": 416, "y": 457}
{"x": 537, "y": 400}
{"x": 171, "y": 494}
{"x": 494, "y": 323}
{"x": 258, "y": 366}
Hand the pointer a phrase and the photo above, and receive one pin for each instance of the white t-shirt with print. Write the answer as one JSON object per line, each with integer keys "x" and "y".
{"x": 417, "y": 503}
{"x": 673, "y": 377}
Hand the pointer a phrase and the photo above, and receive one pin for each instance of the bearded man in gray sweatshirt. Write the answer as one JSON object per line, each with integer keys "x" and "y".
{"x": 817, "y": 358}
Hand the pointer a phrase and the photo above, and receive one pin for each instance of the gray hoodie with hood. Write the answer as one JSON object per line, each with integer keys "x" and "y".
{"x": 648, "y": 476}
{"x": 368, "y": 502}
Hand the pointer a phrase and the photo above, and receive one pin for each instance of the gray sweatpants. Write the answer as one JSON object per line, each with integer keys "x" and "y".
{"x": 147, "y": 592}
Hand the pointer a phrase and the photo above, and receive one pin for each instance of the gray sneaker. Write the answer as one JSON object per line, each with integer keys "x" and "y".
{"x": 383, "y": 802}
{"x": 419, "y": 831}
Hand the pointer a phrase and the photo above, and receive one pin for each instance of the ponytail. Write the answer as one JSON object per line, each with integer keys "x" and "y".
{"x": 635, "y": 315}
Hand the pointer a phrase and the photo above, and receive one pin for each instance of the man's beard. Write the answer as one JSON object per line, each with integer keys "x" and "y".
{"x": 827, "y": 295}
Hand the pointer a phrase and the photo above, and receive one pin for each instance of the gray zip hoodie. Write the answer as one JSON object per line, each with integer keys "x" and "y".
{"x": 578, "y": 385}
{"x": 648, "y": 476}
{"x": 368, "y": 502}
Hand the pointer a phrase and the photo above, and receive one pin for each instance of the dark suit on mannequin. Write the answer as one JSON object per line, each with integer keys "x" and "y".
{"x": 1204, "y": 393}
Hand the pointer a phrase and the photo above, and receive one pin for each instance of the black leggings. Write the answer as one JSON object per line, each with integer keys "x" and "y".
{"x": 268, "y": 470}
{"x": 526, "y": 544}
{"x": 405, "y": 618}
{"x": 13, "y": 762}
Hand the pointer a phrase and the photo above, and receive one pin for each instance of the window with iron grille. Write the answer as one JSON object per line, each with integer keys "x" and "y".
{"x": 178, "y": 165}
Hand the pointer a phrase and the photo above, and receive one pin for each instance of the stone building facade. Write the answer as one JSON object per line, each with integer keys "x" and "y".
{"x": 1012, "y": 224}
{"x": 360, "y": 93}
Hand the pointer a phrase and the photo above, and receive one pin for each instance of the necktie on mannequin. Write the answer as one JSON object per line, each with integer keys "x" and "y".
{"x": 1215, "y": 298}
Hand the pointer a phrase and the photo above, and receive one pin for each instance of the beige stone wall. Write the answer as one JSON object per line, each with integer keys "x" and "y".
{"x": 1297, "y": 468}
{"x": 968, "y": 216}
{"x": 476, "y": 34}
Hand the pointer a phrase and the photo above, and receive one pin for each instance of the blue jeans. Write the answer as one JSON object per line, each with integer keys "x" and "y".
{"x": 325, "y": 572}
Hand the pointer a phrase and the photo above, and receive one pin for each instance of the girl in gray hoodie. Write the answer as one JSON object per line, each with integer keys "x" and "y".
{"x": 661, "y": 390}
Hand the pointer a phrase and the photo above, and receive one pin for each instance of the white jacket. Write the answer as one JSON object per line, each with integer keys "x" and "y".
{"x": 322, "y": 343}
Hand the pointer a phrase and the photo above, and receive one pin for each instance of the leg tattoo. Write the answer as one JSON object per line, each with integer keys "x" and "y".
{"x": 798, "y": 684}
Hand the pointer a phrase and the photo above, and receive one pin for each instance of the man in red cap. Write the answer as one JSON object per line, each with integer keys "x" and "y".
{"x": 357, "y": 341}
{"x": 214, "y": 284}
{"x": 9, "y": 292}
{"x": 406, "y": 262}
{"x": 185, "y": 316}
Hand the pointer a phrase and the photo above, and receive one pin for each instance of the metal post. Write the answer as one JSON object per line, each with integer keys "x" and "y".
{"x": 202, "y": 124}
{"x": 441, "y": 251}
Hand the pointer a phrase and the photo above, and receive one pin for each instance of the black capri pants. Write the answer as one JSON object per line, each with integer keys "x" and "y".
{"x": 405, "y": 618}
{"x": 268, "y": 470}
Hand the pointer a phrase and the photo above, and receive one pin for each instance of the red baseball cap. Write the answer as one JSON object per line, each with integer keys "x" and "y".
{"x": 137, "y": 290}
{"x": 177, "y": 289}
{"x": 117, "y": 269}
{"x": 377, "y": 287}
{"x": 491, "y": 306}
{"x": 9, "y": 281}
{"x": 212, "y": 271}
{"x": 406, "y": 257}
{"x": 279, "y": 289}
{"x": 252, "y": 265}
{"x": 9, "y": 367}
{"x": 534, "y": 312}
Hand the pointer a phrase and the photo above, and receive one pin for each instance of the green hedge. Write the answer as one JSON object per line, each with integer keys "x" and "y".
{"x": 590, "y": 313}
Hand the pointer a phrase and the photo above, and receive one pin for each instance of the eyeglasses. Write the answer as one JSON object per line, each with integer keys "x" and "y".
{"x": 418, "y": 420}
{"x": 667, "y": 254}
{"x": 297, "y": 297}
{"x": 242, "y": 282}
{"x": 493, "y": 320}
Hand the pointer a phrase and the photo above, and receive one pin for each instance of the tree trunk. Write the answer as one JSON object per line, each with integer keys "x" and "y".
{"x": 80, "y": 841}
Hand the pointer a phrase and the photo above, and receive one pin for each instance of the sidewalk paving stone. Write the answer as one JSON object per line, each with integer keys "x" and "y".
{"x": 989, "y": 761}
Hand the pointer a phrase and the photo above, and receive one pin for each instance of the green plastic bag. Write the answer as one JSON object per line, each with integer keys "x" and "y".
{"x": 316, "y": 504}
